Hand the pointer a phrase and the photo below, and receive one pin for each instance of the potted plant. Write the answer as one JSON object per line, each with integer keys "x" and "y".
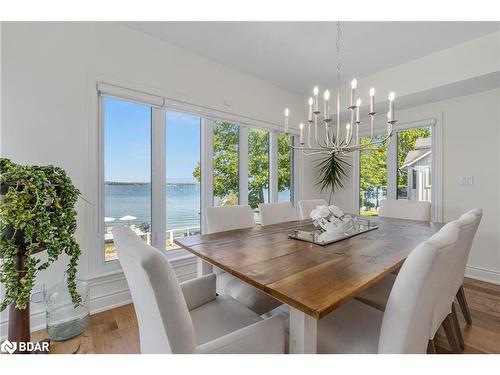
{"x": 37, "y": 213}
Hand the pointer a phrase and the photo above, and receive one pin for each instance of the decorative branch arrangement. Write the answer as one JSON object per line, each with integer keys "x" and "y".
{"x": 333, "y": 169}
{"x": 36, "y": 213}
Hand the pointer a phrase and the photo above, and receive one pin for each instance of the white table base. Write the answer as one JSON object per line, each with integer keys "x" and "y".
{"x": 303, "y": 333}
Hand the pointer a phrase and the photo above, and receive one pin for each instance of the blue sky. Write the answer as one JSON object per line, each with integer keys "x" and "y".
{"x": 127, "y": 143}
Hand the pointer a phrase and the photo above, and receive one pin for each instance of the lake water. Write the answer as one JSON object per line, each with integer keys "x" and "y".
{"x": 182, "y": 201}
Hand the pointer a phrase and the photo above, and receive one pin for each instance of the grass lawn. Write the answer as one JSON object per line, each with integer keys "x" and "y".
{"x": 369, "y": 213}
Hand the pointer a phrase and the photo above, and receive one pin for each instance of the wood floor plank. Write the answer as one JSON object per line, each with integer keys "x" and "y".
{"x": 116, "y": 331}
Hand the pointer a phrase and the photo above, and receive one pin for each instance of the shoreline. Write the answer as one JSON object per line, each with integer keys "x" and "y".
{"x": 118, "y": 183}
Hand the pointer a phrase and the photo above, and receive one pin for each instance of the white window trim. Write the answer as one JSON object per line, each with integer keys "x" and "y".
{"x": 160, "y": 105}
{"x": 273, "y": 166}
{"x": 207, "y": 167}
{"x": 158, "y": 177}
{"x": 437, "y": 164}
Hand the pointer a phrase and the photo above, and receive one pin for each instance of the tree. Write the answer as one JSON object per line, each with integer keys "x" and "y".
{"x": 373, "y": 166}
{"x": 226, "y": 164}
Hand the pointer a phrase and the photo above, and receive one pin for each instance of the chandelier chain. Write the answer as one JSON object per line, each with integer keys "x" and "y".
{"x": 339, "y": 35}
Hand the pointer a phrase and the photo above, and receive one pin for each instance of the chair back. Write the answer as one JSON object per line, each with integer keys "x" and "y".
{"x": 165, "y": 325}
{"x": 220, "y": 219}
{"x": 273, "y": 213}
{"x": 306, "y": 206}
{"x": 405, "y": 209}
{"x": 470, "y": 232}
{"x": 408, "y": 315}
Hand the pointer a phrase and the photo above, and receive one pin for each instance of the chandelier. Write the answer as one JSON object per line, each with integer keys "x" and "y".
{"x": 337, "y": 140}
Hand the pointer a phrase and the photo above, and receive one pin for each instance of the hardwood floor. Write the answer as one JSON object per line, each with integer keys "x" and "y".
{"x": 115, "y": 331}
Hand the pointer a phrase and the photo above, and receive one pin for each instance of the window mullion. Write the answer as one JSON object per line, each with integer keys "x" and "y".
{"x": 158, "y": 178}
{"x": 392, "y": 168}
{"x": 207, "y": 168}
{"x": 273, "y": 166}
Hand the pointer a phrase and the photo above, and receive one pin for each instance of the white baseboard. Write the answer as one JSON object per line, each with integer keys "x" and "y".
{"x": 107, "y": 291}
{"x": 483, "y": 274}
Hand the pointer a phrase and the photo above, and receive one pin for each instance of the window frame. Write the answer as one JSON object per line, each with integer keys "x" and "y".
{"x": 159, "y": 107}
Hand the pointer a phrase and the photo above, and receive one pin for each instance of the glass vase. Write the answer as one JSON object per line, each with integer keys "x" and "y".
{"x": 64, "y": 319}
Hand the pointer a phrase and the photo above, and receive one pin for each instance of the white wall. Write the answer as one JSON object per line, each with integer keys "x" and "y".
{"x": 48, "y": 77}
{"x": 471, "y": 147}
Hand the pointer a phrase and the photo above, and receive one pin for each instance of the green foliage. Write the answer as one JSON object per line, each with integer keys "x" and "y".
{"x": 226, "y": 164}
{"x": 285, "y": 160}
{"x": 258, "y": 166}
{"x": 373, "y": 162}
{"x": 39, "y": 202}
{"x": 373, "y": 168}
{"x": 332, "y": 169}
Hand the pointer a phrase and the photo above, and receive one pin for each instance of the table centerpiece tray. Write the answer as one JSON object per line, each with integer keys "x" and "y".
{"x": 322, "y": 238}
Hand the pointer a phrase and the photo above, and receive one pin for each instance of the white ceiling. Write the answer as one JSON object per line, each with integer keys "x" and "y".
{"x": 298, "y": 55}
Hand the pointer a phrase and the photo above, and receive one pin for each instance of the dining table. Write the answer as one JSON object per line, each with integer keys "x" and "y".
{"x": 313, "y": 280}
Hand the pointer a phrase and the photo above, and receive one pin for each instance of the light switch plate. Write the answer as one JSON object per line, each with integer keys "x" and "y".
{"x": 467, "y": 180}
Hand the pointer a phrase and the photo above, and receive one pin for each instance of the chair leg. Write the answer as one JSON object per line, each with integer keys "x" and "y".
{"x": 463, "y": 305}
{"x": 431, "y": 348}
{"x": 457, "y": 326}
{"x": 451, "y": 335}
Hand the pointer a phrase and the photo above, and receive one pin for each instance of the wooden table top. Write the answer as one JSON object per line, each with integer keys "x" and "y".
{"x": 312, "y": 278}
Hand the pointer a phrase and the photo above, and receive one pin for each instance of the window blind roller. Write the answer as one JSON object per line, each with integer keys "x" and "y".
{"x": 106, "y": 89}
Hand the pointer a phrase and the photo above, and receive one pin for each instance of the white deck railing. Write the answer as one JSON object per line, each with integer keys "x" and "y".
{"x": 183, "y": 232}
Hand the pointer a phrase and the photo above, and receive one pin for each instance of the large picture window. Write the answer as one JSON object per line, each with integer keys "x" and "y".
{"x": 372, "y": 177}
{"x": 258, "y": 167}
{"x": 285, "y": 168}
{"x": 127, "y": 170}
{"x": 153, "y": 162}
{"x": 183, "y": 176}
{"x": 226, "y": 163}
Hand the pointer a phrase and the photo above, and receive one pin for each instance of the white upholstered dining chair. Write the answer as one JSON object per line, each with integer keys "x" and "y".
{"x": 223, "y": 218}
{"x": 405, "y": 209}
{"x": 307, "y": 205}
{"x": 448, "y": 287}
{"x": 220, "y": 219}
{"x": 478, "y": 214}
{"x": 406, "y": 324}
{"x": 273, "y": 213}
{"x": 188, "y": 317}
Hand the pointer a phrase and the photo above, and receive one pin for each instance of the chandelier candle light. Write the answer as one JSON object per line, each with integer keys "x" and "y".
{"x": 336, "y": 142}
